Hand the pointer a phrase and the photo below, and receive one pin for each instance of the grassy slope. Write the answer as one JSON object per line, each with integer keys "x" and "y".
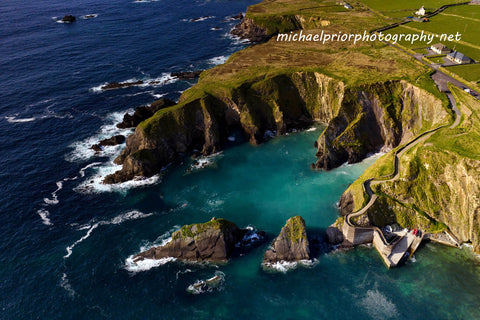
{"x": 352, "y": 64}
{"x": 416, "y": 198}
{"x": 404, "y": 8}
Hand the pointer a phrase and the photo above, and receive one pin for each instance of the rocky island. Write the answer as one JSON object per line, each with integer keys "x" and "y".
{"x": 291, "y": 245}
{"x": 213, "y": 241}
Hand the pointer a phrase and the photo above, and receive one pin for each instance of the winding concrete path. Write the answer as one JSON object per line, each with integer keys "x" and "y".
{"x": 395, "y": 175}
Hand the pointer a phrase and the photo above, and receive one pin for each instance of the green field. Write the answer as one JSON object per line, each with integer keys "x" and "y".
{"x": 469, "y": 72}
{"x": 447, "y": 24}
{"x": 465, "y": 11}
{"x": 404, "y": 8}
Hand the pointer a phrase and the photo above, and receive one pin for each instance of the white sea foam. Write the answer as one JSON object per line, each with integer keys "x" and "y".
{"x": 54, "y": 199}
{"x": 285, "y": 266}
{"x": 217, "y": 282}
{"x": 131, "y": 215}
{"x": 82, "y": 149}
{"x": 145, "y": 1}
{"x": 378, "y": 306}
{"x": 89, "y": 16}
{"x": 217, "y": 60}
{"x": 231, "y": 138}
{"x": 311, "y": 129}
{"x": 21, "y": 120}
{"x": 206, "y": 161}
{"x": 201, "y": 19}
{"x": 158, "y": 95}
{"x": 163, "y": 79}
{"x": 145, "y": 264}
{"x": 94, "y": 184}
{"x": 65, "y": 284}
{"x": 44, "y": 215}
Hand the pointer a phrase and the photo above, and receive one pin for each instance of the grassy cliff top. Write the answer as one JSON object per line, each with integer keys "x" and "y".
{"x": 295, "y": 229}
{"x": 192, "y": 230}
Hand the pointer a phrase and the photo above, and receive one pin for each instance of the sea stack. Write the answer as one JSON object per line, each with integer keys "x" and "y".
{"x": 212, "y": 241}
{"x": 291, "y": 245}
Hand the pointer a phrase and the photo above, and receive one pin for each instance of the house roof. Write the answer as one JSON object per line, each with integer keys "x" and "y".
{"x": 459, "y": 56}
{"x": 439, "y": 46}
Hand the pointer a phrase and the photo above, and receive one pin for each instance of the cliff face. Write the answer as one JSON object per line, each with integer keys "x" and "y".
{"x": 374, "y": 118}
{"x": 362, "y": 120}
{"x": 277, "y": 104}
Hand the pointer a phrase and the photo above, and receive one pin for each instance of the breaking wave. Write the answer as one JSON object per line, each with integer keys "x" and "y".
{"x": 131, "y": 215}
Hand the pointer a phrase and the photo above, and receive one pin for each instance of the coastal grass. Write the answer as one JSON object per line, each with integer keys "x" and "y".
{"x": 192, "y": 230}
{"x": 465, "y": 138}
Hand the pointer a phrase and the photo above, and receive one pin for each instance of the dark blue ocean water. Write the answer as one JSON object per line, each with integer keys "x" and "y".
{"x": 65, "y": 238}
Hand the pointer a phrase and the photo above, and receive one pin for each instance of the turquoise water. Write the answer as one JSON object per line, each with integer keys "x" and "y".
{"x": 262, "y": 186}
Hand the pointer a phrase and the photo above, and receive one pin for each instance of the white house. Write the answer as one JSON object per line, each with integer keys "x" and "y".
{"x": 440, "y": 49}
{"x": 459, "y": 58}
{"x": 421, "y": 11}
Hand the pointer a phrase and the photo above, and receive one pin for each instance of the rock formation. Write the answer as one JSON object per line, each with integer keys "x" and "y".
{"x": 248, "y": 29}
{"x": 291, "y": 244}
{"x": 118, "y": 85}
{"x": 113, "y": 141}
{"x": 68, "y": 18}
{"x": 144, "y": 112}
{"x": 213, "y": 241}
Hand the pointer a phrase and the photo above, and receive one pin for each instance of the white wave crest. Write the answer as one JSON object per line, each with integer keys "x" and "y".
{"x": 163, "y": 79}
{"x": 82, "y": 149}
{"x": 54, "y": 199}
{"x": 145, "y": 264}
{"x": 285, "y": 266}
{"x": 217, "y": 60}
{"x": 65, "y": 284}
{"x": 89, "y": 16}
{"x": 131, "y": 215}
{"x": 44, "y": 215}
{"x": 21, "y": 120}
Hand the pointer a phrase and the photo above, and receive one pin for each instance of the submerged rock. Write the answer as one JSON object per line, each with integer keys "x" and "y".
{"x": 118, "y": 85}
{"x": 213, "y": 241}
{"x": 291, "y": 244}
{"x": 68, "y": 18}
{"x": 142, "y": 113}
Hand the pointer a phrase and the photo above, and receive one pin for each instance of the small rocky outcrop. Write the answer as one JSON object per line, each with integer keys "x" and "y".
{"x": 247, "y": 29}
{"x": 334, "y": 233}
{"x": 144, "y": 112}
{"x": 186, "y": 75}
{"x": 119, "y": 85}
{"x": 238, "y": 16}
{"x": 213, "y": 241}
{"x": 291, "y": 244}
{"x": 113, "y": 141}
{"x": 68, "y": 18}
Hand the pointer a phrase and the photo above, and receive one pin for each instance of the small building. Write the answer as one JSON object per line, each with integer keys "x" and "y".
{"x": 421, "y": 11}
{"x": 440, "y": 49}
{"x": 459, "y": 58}
{"x": 347, "y": 6}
